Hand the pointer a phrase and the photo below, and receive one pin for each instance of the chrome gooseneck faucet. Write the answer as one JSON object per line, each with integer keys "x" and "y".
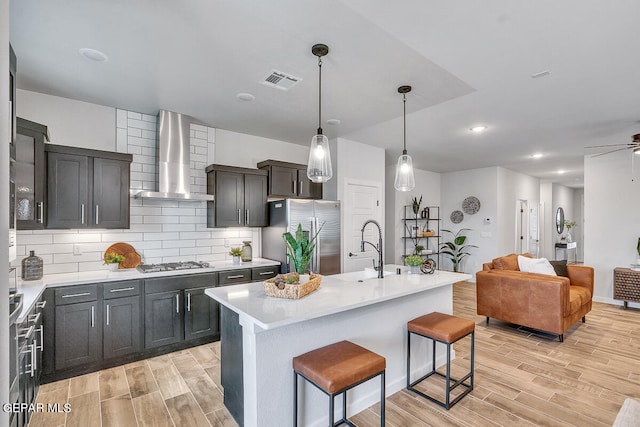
{"x": 378, "y": 248}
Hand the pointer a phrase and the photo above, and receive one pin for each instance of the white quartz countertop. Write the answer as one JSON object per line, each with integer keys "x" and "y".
{"x": 33, "y": 289}
{"x": 337, "y": 293}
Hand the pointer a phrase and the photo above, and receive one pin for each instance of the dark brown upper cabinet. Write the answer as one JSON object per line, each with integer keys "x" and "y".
{"x": 290, "y": 180}
{"x": 87, "y": 188}
{"x": 240, "y": 197}
{"x": 31, "y": 177}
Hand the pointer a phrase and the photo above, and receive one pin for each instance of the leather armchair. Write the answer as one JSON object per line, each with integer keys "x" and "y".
{"x": 539, "y": 301}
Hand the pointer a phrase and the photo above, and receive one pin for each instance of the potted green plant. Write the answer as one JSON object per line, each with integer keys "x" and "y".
{"x": 568, "y": 225}
{"x": 236, "y": 253}
{"x": 414, "y": 262}
{"x": 299, "y": 249}
{"x": 456, "y": 249}
{"x": 418, "y": 249}
{"x": 113, "y": 260}
{"x": 415, "y": 205}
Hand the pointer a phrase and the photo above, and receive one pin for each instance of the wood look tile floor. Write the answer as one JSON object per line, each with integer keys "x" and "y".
{"x": 522, "y": 379}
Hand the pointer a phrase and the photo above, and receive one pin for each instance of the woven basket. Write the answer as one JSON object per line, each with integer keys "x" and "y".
{"x": 294, "y": 290}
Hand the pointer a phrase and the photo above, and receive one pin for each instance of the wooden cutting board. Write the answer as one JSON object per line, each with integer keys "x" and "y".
{"x": 131, "y": 258}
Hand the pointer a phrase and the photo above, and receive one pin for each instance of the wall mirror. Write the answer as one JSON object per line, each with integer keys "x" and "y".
{"x": 560, "y": 220}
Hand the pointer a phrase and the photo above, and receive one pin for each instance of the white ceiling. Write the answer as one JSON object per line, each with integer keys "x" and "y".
{"x": 468, "y": 62}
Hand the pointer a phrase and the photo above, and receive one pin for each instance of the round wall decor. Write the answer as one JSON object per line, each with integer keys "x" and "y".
{"x": 471, "y": 205}
{"x": 428, "y": 266}
{"x": 456, "y": 217}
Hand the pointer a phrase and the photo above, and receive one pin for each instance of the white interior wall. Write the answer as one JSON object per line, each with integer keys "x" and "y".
{"x": 513, "y": 186}
{"x": 547, "y": 221}
{"x": 427, "y": 186}
{"x": 578, "y": 216}
{"x": 4, "y": 195}
{"x": 70, "y": 122}
{"x": 561, "y": 197}
{"x": 483, "y": 184}
{"x": 611, "y": 218}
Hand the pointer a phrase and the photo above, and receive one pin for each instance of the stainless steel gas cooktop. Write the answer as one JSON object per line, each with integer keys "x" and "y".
{"x": 171, "y": 266}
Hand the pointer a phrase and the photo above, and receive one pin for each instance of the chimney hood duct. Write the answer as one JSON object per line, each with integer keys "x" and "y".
{"x": 174, "y": 166}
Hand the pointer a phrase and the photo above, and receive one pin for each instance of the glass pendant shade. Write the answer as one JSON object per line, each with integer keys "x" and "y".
{"x": 319, "y": 165}
{"x": 404, "y": 174}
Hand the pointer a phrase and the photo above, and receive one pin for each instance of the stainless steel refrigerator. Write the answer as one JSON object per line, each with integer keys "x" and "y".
{"x": 285, "y": 215}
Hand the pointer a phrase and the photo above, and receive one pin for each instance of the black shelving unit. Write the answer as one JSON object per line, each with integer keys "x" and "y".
{"x": 414, "y": 227}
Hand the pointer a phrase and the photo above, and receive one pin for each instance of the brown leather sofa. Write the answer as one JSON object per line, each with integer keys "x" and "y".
{"x": 539, "y": 301}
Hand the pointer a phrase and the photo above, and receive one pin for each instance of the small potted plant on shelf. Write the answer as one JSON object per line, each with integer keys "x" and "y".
{"x": 299, "y": 250}
{"x": 417, "y": 250}
{"x": 236, "y": 253}
{"x": 414, "y": 262}
{"x": 415, "y": 205}
{"x": 113, "y": 260}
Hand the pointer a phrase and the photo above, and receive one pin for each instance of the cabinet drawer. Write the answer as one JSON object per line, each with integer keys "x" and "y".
{"x": 121, "y": 289}
{"x": 165, "y": 284}
{"x": 264, "y": 273}
{"x": 74, "y": 294}
{"x": 242, "y": 275}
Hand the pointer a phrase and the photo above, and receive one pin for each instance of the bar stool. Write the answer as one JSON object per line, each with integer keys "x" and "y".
{"x": 336, "y": 368}
{"x": 446, "y": 329}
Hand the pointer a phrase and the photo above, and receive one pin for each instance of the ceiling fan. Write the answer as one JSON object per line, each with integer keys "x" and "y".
{"x": 634, "y": 145}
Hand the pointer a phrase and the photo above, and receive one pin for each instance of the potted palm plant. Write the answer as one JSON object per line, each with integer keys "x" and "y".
{"x": 299, "y": 250}
{"x": 415, "y": 205}
{"x": 456, "y": 249}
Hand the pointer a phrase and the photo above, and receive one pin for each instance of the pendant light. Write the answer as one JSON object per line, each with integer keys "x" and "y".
{"x": 404, "y": 170}
{"x": 319, "y": 166}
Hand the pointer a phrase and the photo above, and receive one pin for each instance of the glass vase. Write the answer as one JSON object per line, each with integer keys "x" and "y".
{"x": 32, "y": 267}
{"x": 247, "y": 251}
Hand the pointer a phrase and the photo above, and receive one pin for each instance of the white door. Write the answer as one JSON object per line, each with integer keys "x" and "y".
{"x": 362, "y": 200}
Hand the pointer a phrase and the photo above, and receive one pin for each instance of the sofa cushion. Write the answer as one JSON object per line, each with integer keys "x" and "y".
{"x": 507, "y": 262}
{"x": 560, "y": 267}
{"x": 535, "y": 265}
{"x": 580, "y": 294}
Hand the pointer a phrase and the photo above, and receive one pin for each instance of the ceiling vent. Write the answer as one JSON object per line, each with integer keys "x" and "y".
{"x": 280, "y": 80}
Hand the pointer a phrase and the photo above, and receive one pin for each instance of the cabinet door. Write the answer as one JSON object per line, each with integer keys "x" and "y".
{"x": 30, "y": 175}
{"x": 229, "y": 199}
{"x": 201, "y": 316}
{"x": 121, "y": 331}
{"x": 308, "y": 188}
{"x": 76, "y": 335}
{"x": 110, "y": 193}
{"x": 162, "y": 319}
{"x": 283, "y": 181}
{"x": 68, "y": 191}
{"x": 255, "y": 200}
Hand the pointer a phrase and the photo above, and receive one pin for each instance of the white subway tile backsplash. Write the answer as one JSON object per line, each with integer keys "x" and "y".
{"x": 34, "y": 239}
{"x": 149, "y": 118}
{"x": 71, "y": 267}
{"x": 113, "y": 236}
{"x": 92, "y": 266}
{"x": 181, "y": 211}
{"x": 191, "y": 220}
{"x": 142, "y": 142}
{"x": 194, "y": 251}
{"x": 49, "y": 249}
{"x": 162, "y": 236}
{"x": 178, "y": 243}
{"x": 146, "y": 210}
{"x": 71, "y": 258}
{"x": 140, "y": 247}
{"x": 198, "y": 128}
{"x": 121, "y": 118}
{"x": 134, "y": 115}
{"x": 134, "y": 132}
{"x": 121, "y": 140}
{"x": 170, "y": 252}
{"x": 161, "y": 219}
{"x": 150, "y": 134}
{"x": 146, "y": 228}
{"x": 77, "y": 237}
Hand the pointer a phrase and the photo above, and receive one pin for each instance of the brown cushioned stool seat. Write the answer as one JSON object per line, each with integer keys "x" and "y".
{"x": 336, "y": 368}
{"x": 446, "y": 329}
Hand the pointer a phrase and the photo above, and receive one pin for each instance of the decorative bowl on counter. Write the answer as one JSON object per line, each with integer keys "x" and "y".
{"x": 279, "y": 289}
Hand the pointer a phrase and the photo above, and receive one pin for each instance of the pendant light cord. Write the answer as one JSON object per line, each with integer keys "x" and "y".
{"x": 404, "y": 123}
{"x": 319, "y": 95}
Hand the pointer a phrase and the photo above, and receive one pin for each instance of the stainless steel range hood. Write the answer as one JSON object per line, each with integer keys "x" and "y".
{"x": 174, "y": 166}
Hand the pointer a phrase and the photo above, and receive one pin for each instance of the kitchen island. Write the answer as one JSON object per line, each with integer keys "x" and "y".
{"x": 262, "y": 334}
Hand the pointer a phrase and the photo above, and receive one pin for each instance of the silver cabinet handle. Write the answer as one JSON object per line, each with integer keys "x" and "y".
{"x": 93, "y": 317}
{"x": 121, "y": 290}
{"x": 83, "y": 294}
{"x": 239, "y": 220}
{"x": 301, "y": 191}
{"x": 264, "y": 273}
{"x": 97, "y": 213}
{"x": 82, "y": 213}
{"x": 108, "y": 314}
{"x": 33, "y": 360}
{"x": 28, "y": 333}
{"x": 177, "y": 303}
{"x": 188, "y": 301}
{"x": 41, "y": 304}
{"x": 237, "y": 276}
{"x": 41, "y": 330}
{"x": 295, "y": 188}
{"x": 41, "y": 207}
{"x": 246, "y": 217}
{"x": 34, "y": 318}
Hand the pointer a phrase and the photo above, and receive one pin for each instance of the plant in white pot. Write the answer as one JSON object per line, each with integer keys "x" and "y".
{"x": 236, "y": 253}
{"x": 113, "y": 260}
{"x": 414, "y": 262}
{"x": 299, "y": 251}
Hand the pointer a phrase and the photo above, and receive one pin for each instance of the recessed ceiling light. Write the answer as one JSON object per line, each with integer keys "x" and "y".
{"x": 333, "y": 122}
{"x": 560, "y": 172}
{"x": 243, "y": 96}
{"x": 478, "y": 129}
{"x": 540, "y": 74}
{"x": 93, "y": 54}
{"x": 536, "y": 155}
